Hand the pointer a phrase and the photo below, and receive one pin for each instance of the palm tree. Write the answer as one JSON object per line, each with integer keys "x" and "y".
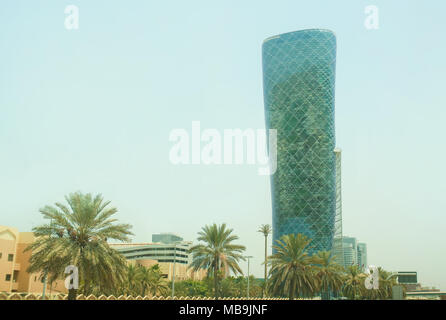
{"x": 291, "y": 270}
{"x": 354, "y": 283}
{"x": 140, "y": 280}
{"x": 328, "y": 273}
{"x": 354, "y": 287}
{"x": 132, "y": 279}
{"x": 265, "y": 229}
{"x": 156, "y": 284}
{"x": 144, "y": 276}
{"x": 219, "y": 255}
{"x": 77, "y": 235}
{"x": 386, "y": 281}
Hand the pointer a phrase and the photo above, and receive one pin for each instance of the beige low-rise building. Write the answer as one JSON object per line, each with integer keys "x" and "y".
{"x": 14, "y": 261}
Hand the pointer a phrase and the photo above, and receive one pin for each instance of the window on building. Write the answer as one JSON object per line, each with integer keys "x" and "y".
{"x": 8, "y": 277}
{"x": 10, "y": 257}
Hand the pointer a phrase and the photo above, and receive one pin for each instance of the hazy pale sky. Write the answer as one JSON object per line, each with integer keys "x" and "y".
{"x": 91, "y": 110}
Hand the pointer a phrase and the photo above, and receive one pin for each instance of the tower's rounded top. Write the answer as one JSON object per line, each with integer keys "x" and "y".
{"x": 286, "y": 35}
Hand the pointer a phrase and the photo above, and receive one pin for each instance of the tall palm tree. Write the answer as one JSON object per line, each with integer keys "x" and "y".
{"x": 291, "y": 270}
{"x": 328, "y": 273}
{"x": 77, "y": 235}
{"x": 265, "y": 229}
{"x": 219, "y": 255}
{"x": 354, "y": 283}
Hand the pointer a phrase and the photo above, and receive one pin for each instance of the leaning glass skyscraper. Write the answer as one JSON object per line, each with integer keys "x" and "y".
{"x": 299, "y": 93}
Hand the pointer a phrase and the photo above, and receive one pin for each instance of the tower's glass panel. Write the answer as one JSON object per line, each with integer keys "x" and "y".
{"x": 299, "y": 89}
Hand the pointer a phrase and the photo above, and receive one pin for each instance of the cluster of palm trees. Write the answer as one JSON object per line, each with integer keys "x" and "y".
{"x": 77, "y": 234}
{"x": 141, "y": 280}
{"x": 293, "y": 273}
{"x": 355, "y": 289}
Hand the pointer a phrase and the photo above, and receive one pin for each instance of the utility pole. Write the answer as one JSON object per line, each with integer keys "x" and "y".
{"x": 247, "y": 293}
{"x": 174, "y": 265}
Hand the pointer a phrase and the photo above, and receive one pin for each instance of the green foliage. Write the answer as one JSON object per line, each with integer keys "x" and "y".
{"x": 231, "y": 287}
{"x": 193, "y": 288}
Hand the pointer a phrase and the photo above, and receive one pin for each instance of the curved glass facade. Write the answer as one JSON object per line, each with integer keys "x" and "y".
{"x": 299, "y": 93}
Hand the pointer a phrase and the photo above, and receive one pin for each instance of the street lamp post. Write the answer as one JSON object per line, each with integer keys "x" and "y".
{"x": 174, "y": 267}
{"x": 247, "y": 290}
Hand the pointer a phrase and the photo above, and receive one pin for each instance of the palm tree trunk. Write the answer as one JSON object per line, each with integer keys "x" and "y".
{"x": 215, "y": 284}
{"x": 292, "y": 288}
{"x": 72, "y": 294}
{"x": 217, "y": 264}
{"x": 86, "y": 289}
